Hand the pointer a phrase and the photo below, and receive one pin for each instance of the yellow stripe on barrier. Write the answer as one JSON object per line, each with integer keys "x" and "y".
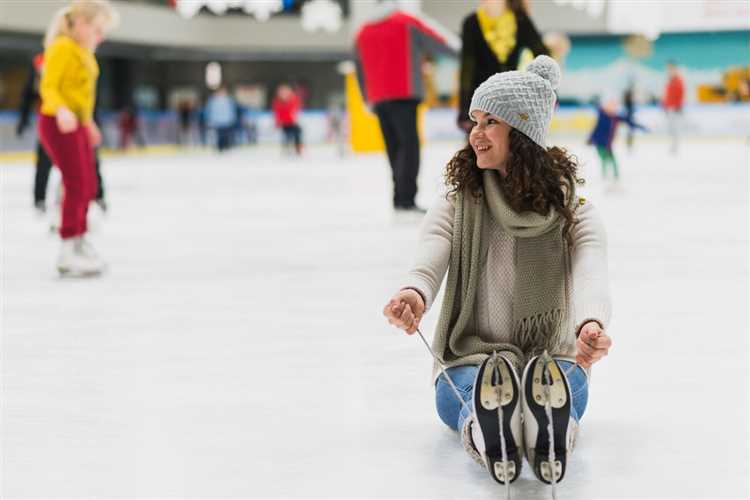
{"x": 364, "y": 134}
{"x": 160, "y": 150}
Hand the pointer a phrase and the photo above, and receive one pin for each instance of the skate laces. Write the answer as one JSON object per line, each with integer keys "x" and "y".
{"x": 500, "y": 419}
{"x": 441, "y": 365}
{"x": 498, "y": 395}
{"x": 546, "y": 359}
{"x": 570, "y": 370}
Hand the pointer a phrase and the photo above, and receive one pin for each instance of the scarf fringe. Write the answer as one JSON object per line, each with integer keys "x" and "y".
{"x": 544, "y": 331}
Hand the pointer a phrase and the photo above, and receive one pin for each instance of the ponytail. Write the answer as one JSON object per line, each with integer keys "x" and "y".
{"x": 62, "y": 22}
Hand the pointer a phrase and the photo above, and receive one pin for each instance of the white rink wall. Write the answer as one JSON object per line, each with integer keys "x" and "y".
{"x": 701, "y": 120}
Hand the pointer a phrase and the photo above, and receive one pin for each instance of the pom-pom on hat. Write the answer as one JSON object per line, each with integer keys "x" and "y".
{"x": 524, "y": 100}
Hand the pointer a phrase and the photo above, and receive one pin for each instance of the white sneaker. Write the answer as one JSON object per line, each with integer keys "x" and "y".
{"x": 496, "y": 399}
{"x": 72, "y": 263}
{"x": 536, "y": 422}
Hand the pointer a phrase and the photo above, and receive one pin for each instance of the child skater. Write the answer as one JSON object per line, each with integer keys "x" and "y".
{"x": 286, "y": 106}
{"x": 526, "y": 303}
{"x": 603, "y": 135}
{"x": 66, "y": 124}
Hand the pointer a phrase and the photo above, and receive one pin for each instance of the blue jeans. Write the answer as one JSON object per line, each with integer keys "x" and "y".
{"x": 453, "y": 414}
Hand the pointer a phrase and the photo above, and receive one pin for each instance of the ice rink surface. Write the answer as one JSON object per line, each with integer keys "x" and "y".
{"x": 236, "y": 347}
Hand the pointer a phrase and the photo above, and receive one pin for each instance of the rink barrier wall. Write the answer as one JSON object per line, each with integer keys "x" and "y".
{"x": 160, "y": 128}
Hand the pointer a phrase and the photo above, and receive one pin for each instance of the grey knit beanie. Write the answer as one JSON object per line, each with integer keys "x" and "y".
{"x": 522, "y": 99}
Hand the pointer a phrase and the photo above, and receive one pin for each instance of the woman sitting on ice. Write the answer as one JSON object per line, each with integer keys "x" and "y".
{"x": 526, "y": 302}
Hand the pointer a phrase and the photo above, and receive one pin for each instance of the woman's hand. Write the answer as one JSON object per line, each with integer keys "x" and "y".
{"x": 95, "y": 135}
{"x": 66, "y": 120}
{"x": 405, "y": 310}
{"x": 592, "y": 344}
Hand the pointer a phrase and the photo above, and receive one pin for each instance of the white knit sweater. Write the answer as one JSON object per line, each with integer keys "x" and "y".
{"x": 589, "y": 291}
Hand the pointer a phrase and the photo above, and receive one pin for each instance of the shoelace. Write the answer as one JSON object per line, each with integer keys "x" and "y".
{"x": 547, "y": 409}
{"x": 498, "y": 392}
{"x": 546, "y": 358}
{"x": 441, "y": 365}
{"x": 570, "y": 370}
{"x": 500, "y": 419}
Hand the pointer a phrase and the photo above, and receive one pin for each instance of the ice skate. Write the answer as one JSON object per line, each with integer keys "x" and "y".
{"x": 102, "y": 204}
{"x": 497, "y": 411}
{"x": 85, "y": 248}
{"x": 546, "y": 395}
{"x": 411, "y": 209}
{"x": 40, "y": 208}
{"x": 71, "y": 263}
{"x": 471, "y": 440}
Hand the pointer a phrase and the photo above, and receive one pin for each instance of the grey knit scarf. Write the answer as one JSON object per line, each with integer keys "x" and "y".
{"x": 541, "y": 280}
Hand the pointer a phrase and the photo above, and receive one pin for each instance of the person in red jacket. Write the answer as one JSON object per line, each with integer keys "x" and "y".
{"x": 286, "y": 106}
{"x": 389, "y": 55}
{"x": 674, "y": 99}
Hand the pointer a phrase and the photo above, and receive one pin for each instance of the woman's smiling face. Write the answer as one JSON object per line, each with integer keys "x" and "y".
{"x": 490, "y": 139}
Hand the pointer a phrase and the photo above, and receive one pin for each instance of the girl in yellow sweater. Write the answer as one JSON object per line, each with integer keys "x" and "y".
{"x": 66, "y": 125}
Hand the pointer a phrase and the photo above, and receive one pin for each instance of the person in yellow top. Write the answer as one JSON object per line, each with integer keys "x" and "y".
{"x": 493, "y": 39}
{"x": 66, "y": 124}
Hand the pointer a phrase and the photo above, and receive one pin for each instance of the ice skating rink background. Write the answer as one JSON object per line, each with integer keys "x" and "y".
{"x": 236, "y": 346}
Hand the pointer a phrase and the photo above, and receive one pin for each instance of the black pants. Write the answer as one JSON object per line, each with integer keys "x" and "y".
{"x": 398, "y": 122}
{"x": 223, "y": 138}
{"x": 43, "y": 167}
{"x": 41, "y": 176}
{"x": 99, "y": 182}
{"x": 292, "y": 135}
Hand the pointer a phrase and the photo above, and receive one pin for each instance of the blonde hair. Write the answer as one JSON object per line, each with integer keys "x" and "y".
{"x": 62, "y": 23}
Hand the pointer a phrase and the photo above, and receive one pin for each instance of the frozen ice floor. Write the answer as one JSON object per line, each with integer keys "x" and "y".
{"x": 236, "y": 347}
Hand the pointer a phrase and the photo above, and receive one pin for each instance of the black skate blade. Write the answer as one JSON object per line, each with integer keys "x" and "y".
{"x": 560, "y": 405}
{"x": 486, "y": 409}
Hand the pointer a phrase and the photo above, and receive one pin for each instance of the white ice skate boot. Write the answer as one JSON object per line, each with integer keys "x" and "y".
{"x": 84, "y": 247}
{"x": 497, "y": 411}
{"x": 546, "y": 394}
{"x": 471, "y": 438}
{"x": 71, "y": 263}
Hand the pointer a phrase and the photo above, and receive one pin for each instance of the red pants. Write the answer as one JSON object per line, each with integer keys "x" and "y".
{"x": 73, "y": 154}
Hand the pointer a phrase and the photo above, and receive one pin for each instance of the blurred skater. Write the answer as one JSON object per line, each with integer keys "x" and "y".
{"x": 337, "y": 128}
{"x": 202, "y": 126}
{"x": 603, "y": 135}
{"x": 286, "y": 105}
{"x": 66, "y": 124}
{"x": 628, "y": 103}
{"x": 31, "y": 100}
{"x": 673, "y": 101}
{"x": 185, "y": 119}
{"x": 130, "y": 128}
{"x": 390, "y": 50}
{"x": 493, "y": 38}
{"x": 221, "y": 113}
{"x": 30, "y": 104}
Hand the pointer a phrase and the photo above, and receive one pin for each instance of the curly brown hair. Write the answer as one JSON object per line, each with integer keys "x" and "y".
{"x": 534, "y": 181}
